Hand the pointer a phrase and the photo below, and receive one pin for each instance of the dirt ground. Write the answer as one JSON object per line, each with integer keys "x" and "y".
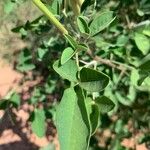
{"x": 15, "y": 134}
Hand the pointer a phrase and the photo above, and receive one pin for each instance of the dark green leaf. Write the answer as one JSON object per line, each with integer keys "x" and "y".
{"x": 86, "y": 4}
{"x": 145, "y": 64}
{"x": 4, "y": 104}
{"x": 105, "y": 104}
{"x": 92, "y": 80}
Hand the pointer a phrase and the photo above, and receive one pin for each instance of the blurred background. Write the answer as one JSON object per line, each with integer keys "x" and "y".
{"x": 29, "y": 45}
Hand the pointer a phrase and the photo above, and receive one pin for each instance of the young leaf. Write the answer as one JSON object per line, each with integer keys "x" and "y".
{"x": 72, "y": 121}
{"x": 100, "y": 22}
{"x": 38, "y": 122}
{"x": 67, "y": 70}
{"x": 93, "y": 114}
{"x": 92, "y": 80}
{"x": 142, "y": 42}
{"x": 82, "y": 24}
{"x": 66, "y": 55}
{"x": 105, "y": 104}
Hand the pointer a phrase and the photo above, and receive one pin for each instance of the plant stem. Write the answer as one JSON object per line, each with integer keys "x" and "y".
{"x": 50, "y": 16}
{"x": 77, "y": 60}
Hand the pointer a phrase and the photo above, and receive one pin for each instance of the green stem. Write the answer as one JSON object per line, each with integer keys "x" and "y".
{"x": 50, "y": 16}
{"x": 77, "y": 60}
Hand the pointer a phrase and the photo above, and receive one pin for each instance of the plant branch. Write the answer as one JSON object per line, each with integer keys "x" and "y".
{"x": 111, "y": 63}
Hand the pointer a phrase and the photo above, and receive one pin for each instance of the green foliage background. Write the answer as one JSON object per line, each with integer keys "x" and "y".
{"x": 121, "y": 50}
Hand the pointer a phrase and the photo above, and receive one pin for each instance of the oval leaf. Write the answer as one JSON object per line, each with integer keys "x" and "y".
{"x": 101, "y": 21}
{"x": 92, "y": 80}
{"x": 38, "y": 122}
{"x": 67, "y": 70}
{"x": 67, "y": 54}
{"x": 142, "y": 42}
{"x": 72, "y": 121}
{"x": 105, "y": 104}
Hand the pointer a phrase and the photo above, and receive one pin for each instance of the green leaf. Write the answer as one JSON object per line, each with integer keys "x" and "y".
{"x": 72, "y": 121}
{"x": 4, "y": 104}
{"x": 54, "y": 7}
{"x": 67, "y": 70}
{"x": 66, "y": 55}
{"x": 122, "y": 40}
{"x": 93, "y": 114}
{"x": 8, "y": 6}
{"x": 134, "y": 77}
{"x": 82, "y": 24}
{"x": 146, "y": 31}
{"x": 15, "y": 99}
{"x": 101, "y": 22}
{"x": 38, "y": 122}
{"x": 143, "y": 77}
{"x": 145, "y": 64}
{"x": 105, "y": 104}
{"x": 71, "y": 41}
{"x": 92, "y": 80}
{"x": 25, "y": 61}
{"x": 48, "y": 147}
{"x": 142, "y": 42}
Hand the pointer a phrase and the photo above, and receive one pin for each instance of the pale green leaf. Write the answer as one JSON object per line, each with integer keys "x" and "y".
{"x": 101, "y": 22}
{"x": 16, "y": 99}
{"x": 72, "y": 121}
{"x": 71, "y": 41}
{"x": 66, "y": 55}
{"x": 67, "y": 70}
{"x": 142, "y": 42}
{"x": 38, "y": 122}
